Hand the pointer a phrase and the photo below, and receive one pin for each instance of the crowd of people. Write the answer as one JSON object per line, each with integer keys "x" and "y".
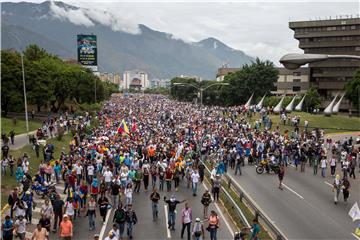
{"x": 150, "y": 143}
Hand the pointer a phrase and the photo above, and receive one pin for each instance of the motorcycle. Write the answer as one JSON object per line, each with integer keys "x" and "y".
{"x": 43, "y": 190}
{"x": 265, "y": 165}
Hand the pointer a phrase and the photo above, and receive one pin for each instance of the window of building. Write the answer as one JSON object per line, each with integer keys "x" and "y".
{"x": 353, "y": 27}
{"x": 296, "y": 88}
{"x": 296, "y": 73}
{"x": 297, "y": 80}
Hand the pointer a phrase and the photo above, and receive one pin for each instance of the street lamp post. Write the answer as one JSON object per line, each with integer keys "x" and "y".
{"x": 200, "y": 89}
{"x": 24, "y": 83}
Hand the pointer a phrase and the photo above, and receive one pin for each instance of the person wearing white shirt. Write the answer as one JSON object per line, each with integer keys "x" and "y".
{"x": 195, "y": 180}
{"x": 90, "y": 171}
{"x": 108, "y": 177}
{"x": 128, "y": 194}
{"x": 323, "y": 164}
{"x": 78, "y": 169}
{"x": 20, "y": 227}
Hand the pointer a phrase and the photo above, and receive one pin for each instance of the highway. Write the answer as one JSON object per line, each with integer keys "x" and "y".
{"x": 148, "y": 229}
{"x": 305, "y": 208}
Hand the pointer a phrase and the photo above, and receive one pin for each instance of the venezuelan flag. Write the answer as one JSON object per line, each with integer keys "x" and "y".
{"x": 123, "y": 128}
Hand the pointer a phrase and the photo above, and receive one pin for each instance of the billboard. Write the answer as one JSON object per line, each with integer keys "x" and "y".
{"x": 87, "y": 50}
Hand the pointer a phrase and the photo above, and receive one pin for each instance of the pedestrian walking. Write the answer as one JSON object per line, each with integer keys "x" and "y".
{"x": 214, "y": 224}
{"x": 172, "y": 203}
{"x": 7, "y": 228}
{"x": 40, "y": 233}
{"x": 154, "y": 197}
{"x": 131, "y": 220}
{"x": 58, "y": 206}
{"x": 255, "y": 230}
{"x": 336, "y": 188}
{"x": 28, "y": 199}
{"x": 195, "y": 177}
{"x": 103, "y": 204}
{"x": 20, "y": 227}
{"x": 316, "y": 164}
{"x": 332, "y": 166}
{"x": 352, "y": 167}
{"x": 345, "y": 189}
{"x": 323, "y": 165}
{"x": 91, "y": 213}
{"x": 198, "y": 230}
{"x": 119, "y": 219}
{"x": 205, "y": 201}
{"x": 66, "y": 228}
{"x": 12, "y": 136}
{"x": 216, "y": 187}
{"x": 186, "y": 219}
{"x": 281, "y": 175}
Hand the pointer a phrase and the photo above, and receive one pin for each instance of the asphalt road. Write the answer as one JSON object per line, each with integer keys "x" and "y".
{"x": 148, "y": 229}
{"x": 305, "y": 208}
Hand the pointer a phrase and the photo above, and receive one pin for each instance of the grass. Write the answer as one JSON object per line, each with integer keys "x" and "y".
{"x": 7, "y": 124}
{"x": 9, "y": 182}
{"x": 333, "y": 124}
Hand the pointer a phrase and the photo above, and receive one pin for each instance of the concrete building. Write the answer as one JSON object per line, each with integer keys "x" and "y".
{"x": 291, "y": 82}
{"x": 135, "y": 79}
{"x": 332, "y": 36}
{"x": 223, "y": 71}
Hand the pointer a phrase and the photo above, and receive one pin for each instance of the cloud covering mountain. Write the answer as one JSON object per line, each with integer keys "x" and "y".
{"x": 122, "y": 44}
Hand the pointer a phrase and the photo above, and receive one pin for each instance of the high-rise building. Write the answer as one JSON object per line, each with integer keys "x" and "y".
{"x": 335, "y": 37}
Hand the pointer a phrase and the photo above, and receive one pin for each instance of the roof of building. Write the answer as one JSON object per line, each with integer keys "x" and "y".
{"x": 225, "y": 70}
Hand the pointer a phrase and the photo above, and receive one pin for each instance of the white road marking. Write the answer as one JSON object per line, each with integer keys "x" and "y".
{"x": 293, "y": 191}
{"x": 355, "y": 236}
{"x": 252, "y": 200}
{"x": 328, "y": 183}
{"x": 166, "y": 222}
{"x": 104, "y": 225}
{"x": 221, "y": 213}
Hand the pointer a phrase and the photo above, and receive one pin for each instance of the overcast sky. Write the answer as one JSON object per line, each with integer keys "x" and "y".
{"x": 258, "y": 28}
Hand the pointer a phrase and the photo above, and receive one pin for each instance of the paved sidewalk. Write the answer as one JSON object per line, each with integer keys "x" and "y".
{"x": 20, "y": 141}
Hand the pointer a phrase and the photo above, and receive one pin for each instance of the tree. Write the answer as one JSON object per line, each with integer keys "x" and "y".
{"x": 34, "y": 53}
{"x": 312, "y": 99}
{"x": 186, "y": 92}
{"x": 12, "y": 97}
{"x": 40, "y": 90}
{"x": 257, "y": 77}
{"x": 352, "y": 90}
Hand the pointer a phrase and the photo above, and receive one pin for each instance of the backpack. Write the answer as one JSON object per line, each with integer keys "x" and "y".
{"x": 119, "y": 216}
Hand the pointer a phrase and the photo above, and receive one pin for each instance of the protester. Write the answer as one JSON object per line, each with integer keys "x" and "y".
{"x": 186, "y": 219}
{"x": 66, "y": 228}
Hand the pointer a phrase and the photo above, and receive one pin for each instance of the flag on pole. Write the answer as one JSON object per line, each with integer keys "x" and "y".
{"x": 354, "y": 212}
{"x": 123, "y": 128}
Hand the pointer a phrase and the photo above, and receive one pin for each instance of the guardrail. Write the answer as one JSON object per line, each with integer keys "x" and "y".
{"x": 259, "y": 214}
{"x": 244, "y": 198}
{"x": 228, "y": 196}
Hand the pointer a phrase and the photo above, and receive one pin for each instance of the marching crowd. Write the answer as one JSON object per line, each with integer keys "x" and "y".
{"x": 151, "y": 143}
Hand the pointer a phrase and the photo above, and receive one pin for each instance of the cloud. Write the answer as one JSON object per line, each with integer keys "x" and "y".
{"x": 258, "y": 28}
{"x": 106, "y": 18}
{"x": 76, "y": 17}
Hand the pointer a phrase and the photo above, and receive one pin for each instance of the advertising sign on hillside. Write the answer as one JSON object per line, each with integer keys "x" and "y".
{"x": 87, "y": 50}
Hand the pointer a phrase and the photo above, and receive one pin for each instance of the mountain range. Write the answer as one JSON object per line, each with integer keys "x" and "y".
{"x": 54, "y": 26}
